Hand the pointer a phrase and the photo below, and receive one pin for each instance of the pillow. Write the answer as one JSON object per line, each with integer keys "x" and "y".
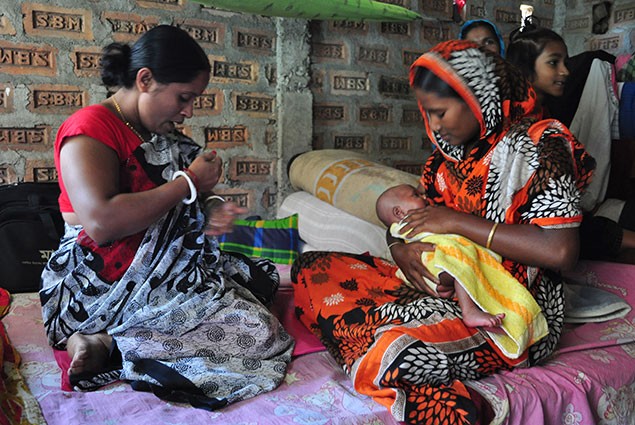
{"x": 276, "y": 240}
{"x": 327, "y": 228}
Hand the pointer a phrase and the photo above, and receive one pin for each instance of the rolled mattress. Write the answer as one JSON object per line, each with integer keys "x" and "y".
{"x": 347, "y": 180}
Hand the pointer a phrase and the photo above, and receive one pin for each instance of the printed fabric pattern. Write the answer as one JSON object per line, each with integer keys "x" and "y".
{"x": 412, "y": 352}
{"x": 175, "y": 305}
{"x": 17, "y": 404}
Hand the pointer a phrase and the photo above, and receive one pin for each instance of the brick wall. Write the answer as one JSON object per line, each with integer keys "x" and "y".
{"x": 278, "y": 87}
{"x": 49, "y": 68}
{"x": 577, "y": 27}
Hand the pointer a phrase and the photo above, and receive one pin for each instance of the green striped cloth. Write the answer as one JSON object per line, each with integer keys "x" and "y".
{"x": 276, "y": 240}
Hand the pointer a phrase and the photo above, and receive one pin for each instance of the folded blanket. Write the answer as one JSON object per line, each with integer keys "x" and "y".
{"x": 488, "y": 283}
{"x": 585, "y": 304}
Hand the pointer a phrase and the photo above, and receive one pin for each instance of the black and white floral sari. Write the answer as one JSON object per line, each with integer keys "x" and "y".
{"x": 176, "y": 306}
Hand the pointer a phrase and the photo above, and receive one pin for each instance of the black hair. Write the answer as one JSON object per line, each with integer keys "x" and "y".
{"x": 527, "y": 44}
{"x": 169, "y": 52}
{"x": 428, "y": 81}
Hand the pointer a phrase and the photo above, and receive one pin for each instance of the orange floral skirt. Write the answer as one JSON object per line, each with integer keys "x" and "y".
{"x": 407, "y": 350}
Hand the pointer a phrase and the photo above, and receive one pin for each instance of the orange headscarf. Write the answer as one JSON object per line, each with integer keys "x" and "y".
{"x": 495, "y": 91}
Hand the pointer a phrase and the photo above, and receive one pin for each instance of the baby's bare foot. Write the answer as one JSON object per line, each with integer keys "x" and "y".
{"x": 478, "y": 318}
{"x": 88, "y": 353}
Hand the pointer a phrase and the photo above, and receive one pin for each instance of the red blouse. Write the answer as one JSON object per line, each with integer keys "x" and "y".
{"x": 99, "y": 123}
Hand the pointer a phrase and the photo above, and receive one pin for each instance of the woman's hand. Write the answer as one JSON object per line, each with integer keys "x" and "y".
{"x": 220, "y": 219}
{"x": 408, "y": 258}
{"x": 208, "y": 168}
{"x": 431, "y": 218}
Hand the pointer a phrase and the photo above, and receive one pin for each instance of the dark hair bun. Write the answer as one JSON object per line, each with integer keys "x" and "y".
{"x": 115, "y": 62}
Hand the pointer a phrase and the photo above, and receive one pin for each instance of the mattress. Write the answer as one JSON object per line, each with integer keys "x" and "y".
{"x": 348, "y": 180}
{"x": 590, "y": 380}
{"x": 315, "y": 391}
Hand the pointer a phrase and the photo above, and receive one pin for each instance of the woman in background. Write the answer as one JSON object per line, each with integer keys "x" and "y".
{"x": 485, "y": 34}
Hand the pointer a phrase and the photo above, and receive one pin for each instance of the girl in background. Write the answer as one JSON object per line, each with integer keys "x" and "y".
{"x": 608, "y": 230}
{"x": 541, "y": 56}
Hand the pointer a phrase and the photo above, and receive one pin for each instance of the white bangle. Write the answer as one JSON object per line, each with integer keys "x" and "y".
{"x": 190, "y": 183}
{"x": 212, "y": 197}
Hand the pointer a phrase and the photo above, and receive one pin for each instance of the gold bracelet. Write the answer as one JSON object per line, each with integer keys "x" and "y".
{"x": 393, "y": 244}
{"x": 491, "y": 236}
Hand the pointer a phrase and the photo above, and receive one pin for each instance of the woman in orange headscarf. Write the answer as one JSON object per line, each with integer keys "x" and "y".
{"x": 498, "y": 178}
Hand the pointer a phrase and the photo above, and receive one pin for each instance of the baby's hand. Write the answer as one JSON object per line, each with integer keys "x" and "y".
{"x": 445, "y": 288}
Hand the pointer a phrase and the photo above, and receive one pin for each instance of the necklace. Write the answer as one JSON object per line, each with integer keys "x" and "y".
{"x": 123, "y": 118}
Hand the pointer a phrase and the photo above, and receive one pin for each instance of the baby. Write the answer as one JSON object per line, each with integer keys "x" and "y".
{"x": 392, "y": 208}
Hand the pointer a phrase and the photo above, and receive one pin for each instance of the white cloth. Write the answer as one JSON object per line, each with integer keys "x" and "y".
{"x": 327, "y": 228}
{"x": 611, "y": 209}
{"x": 593, "y": 125}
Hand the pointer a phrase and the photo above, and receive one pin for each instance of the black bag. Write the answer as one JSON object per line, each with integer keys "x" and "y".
{"x": 31, "y": 226}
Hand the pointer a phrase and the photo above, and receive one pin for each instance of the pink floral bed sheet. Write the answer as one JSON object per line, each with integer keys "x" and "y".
{"x": 591, "y": 380}
{"x": 315, "y": 390}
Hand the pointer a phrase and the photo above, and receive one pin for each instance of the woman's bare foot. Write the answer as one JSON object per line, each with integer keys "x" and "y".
{"x": 88, "y": 353}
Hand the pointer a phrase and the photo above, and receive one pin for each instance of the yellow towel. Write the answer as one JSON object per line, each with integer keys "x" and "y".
{"x": 488, "y": 283}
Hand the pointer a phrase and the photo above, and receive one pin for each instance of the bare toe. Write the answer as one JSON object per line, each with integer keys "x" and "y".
{"x": 88, "y": 353}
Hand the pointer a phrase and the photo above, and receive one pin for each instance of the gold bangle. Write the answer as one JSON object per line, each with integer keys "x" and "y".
{"x": 491, "y": 236}
{"x": 393, "y": 244}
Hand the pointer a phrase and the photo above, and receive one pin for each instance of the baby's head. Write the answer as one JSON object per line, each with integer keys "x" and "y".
{"x": 394, "y": 204}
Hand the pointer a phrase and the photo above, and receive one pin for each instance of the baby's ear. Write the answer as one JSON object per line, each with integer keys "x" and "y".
{"x": 398, "y": 212}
